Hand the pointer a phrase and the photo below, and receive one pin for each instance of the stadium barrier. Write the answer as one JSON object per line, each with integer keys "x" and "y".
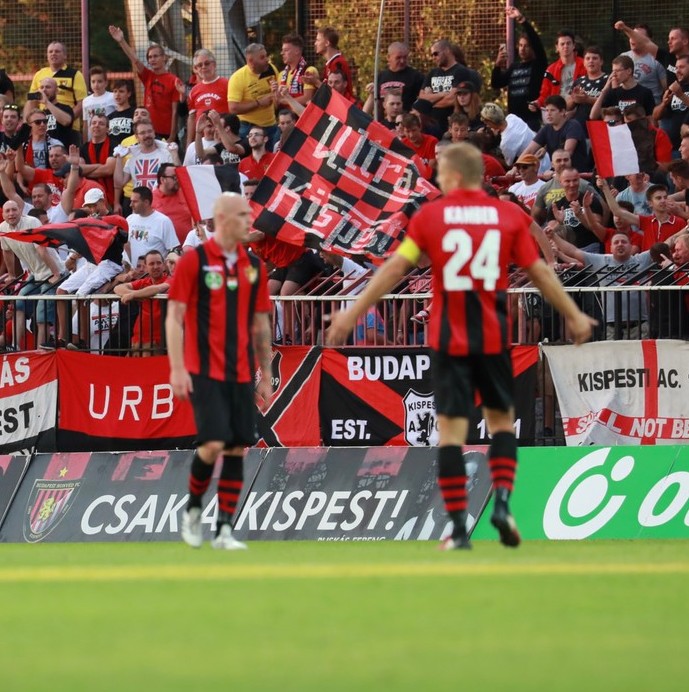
{"x": 375, "y": 493}
{"x": 345, "y": 494}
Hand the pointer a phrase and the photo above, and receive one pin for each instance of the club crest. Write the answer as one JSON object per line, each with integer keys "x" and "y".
{"x": 420, "y": 419}
{"x": 47, "y": 506}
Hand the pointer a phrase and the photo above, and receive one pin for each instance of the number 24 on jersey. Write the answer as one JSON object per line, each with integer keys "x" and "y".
{"x": 484, "y": 261}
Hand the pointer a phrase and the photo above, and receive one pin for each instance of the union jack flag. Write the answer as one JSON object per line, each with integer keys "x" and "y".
{"x": 145, "y": 172}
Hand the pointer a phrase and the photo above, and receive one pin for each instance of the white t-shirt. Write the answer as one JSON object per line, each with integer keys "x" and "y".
{"x": 193, "y": 241}
{"x": 143, "y": 167}
{"x": 190, "y": 158}
{"x": 92, "y": 103}
{"x": 152, "y": 232}
{"x": 526, "y": 193}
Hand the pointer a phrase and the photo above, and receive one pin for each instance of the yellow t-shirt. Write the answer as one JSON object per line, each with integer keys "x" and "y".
{"x": 305, "y": 87}
{"x": 71, "y": 87}
{"x": 245, "y": 85}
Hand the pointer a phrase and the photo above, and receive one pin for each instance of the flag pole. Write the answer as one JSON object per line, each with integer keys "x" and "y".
{"x": 376, "y": 61}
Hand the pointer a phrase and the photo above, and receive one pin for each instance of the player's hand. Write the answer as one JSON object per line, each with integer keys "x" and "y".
{"x": 264, "y": 393}
{"x": 581, "y": 327}
{"x": 181, "y": 384}
{"x": 341, "y": 325}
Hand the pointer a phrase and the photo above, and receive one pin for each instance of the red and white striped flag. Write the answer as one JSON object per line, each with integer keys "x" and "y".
{"x": 614, "y": 152}
{"x": 202, "y": 185}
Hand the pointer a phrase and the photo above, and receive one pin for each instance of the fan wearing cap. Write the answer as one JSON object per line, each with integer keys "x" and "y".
{"x": 527, "y": 188}
{"x": 469, "y": 103}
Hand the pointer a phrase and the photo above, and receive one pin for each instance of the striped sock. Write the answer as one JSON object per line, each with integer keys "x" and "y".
{"x": 502, "y": 459}
{"x": 229, "y": 487}
{"x": 452, "y": 480}
{"x": 199, "y": 480}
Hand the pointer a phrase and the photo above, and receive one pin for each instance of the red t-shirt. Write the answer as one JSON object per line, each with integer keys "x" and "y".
{"x": 470, "y": 239}
{"x": 147, "y": 328}
{"x": 176, "y": 209}
{"x": 221, "y": 302}
{"x": 56, "y": 185}
{"x": 425, "y": 151}
{"x": 339, "y": 63}
{"x": 160, "y": 92}
{"x": 253, "y": 169}
{"x": 203, "y": 97}
{"x": 656, "y": 232}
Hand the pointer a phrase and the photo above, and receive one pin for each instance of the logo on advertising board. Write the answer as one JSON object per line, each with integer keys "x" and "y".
{"x": 420, "y": 419}
{"x": 617, "y": 493}
{"x": 48, "y": 504}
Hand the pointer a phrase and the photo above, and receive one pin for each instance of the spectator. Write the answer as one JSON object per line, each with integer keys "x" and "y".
{"x": 560, "y": 133}
{"x": 60, "y": 117}
{"x": 421, "y": 144}
{"x": 635, "y": 192}
{"x": 208, "y": 141}
{"x": 653, "y": 146}
{"x": 10, "y": 126}
{"x": 327, "y": 46}
{"x": 515, "y": 134}
{"x": 169, "y": 200}
{"x": 526, "y": 189}
{"x": 287, "y": 120}
{"x": 35, "y": 141}
{"x": 468, "y": 102}
{"x": 232, "y": 148}
{"x": 251, "y": 93}
{"x": 672, "y": 109}
{"x": 148, "y": 228}
{"x": 296, "y": 73}
{"x": 161, "y": 94}
{"x": 98, "y": 155}
{"x": 622, "y": 89}
{"x": 210, "y": 90}
{"x": 6, "y": 87}
{"x": 57, "y": 157}
{"x": 587, "y": 89}
{"x": 440, "y": 84}
{"x": 71, "y": 84}
{"x": 647, "y": 70}
{"x": 100, "y": 100}
{"x": 523, "y": 77}
{"x": 147, "y": 337}
{"x": 256, "y": 164}
{"x": 337, "y": 81}
{"x": 121, "y": 120}
{"x": 171, "y": 260}
{"x": 560, "y": 76}
{"x": 399, "y": 77}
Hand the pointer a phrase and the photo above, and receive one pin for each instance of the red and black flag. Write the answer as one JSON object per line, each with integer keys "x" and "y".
{"x": 90, "y": 237}
{"x": 342, "y": 177}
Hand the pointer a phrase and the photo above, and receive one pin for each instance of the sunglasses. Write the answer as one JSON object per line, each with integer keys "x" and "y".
{"x": 10, "y": 107}
{"x": 523, "y": 165}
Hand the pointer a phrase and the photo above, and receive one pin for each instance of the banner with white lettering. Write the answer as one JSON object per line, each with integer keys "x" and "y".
{"x": 101, "y": 496}
{"x": 622, "y": 392}
{"x": 360, "y": 494}
{"x": 110, "y": 403}
{"x": 28, "y": 393}
{"x": 384, "y": 396}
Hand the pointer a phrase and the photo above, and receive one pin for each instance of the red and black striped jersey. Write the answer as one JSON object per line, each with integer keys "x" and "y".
{"x": 221, "y": 300}
{"x": 471, "y": 239}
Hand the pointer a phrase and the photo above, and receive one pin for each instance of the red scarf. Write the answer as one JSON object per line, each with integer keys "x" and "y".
{"x": 296, "y": 86}
{"x": 101, "y": 157}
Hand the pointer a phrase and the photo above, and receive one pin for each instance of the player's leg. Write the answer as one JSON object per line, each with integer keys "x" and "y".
{"x": 240, "y": 433}
{"x": 452, "y": 389}
{"x": 496, "y": 385}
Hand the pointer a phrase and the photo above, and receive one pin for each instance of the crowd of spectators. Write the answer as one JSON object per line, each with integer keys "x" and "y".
{"x": 89, "y": 150}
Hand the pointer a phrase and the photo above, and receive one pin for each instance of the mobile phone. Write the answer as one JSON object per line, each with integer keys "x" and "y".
{"x": 34, "y": 96}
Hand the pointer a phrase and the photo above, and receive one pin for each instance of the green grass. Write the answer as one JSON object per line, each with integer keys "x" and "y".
{"x": 344, "y": 616}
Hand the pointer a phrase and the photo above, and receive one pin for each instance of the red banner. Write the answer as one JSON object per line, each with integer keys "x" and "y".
{"x": 108, "y": 402}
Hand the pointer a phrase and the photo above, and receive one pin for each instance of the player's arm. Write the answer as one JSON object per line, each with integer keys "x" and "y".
{"x": 174, "y": 333}
{"x": 382, "y": 282}
{"x": 544, "y": 278}
{"x": 261, "y": 335}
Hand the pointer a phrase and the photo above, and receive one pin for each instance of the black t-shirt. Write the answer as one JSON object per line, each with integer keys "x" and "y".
{"x": 553, "y": 139}
{"x": 591, "y": 87}
{"x": 582, "y": 235}
{"x": 121, "y": 125}
{"x": 440, "y": 81}
{"x": 232, "y": 158}
{"x": 85, "y": 150}
{"x": 623, "y": 98}
{"x": 63, "y": 133}
{"x": 674, "y": 115}
{"x": 408, "y": 80}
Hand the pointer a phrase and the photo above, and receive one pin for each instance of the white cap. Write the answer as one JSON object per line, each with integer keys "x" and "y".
{"x": 94, "y": 195}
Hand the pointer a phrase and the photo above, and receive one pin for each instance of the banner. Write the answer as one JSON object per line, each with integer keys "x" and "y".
{"x": 365, "y": 494}
{"x": 609, "y": 492}
{"x": 28, "y": 406}
{"x": 83, "y": 497}
{"x": 108, "y": 402}
{"x": 292, "y": 419}
{"x": 342, "y": 178}
{"x": 384, "y": 396}
{"x": 613, "y": 149}
{"x": 622, "y": 392}
{"x": 12, "y": 470}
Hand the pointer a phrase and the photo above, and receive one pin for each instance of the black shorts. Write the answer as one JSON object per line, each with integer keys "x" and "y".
{"x": 457, "y": 378}
{"x": 301, "y": 271}
{"x": 224, "y": 411}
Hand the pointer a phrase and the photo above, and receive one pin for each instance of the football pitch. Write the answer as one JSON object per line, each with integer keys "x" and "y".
{"x": 599, "y": 615}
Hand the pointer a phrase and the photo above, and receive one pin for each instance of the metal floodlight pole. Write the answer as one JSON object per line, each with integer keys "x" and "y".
{"x": 376, "y": 60}
{"x": 85, "y": 47}
{"x": 509, "y": 36}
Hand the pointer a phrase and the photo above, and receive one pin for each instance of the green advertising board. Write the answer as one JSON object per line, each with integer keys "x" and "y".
{"x": 571, "y": 493}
